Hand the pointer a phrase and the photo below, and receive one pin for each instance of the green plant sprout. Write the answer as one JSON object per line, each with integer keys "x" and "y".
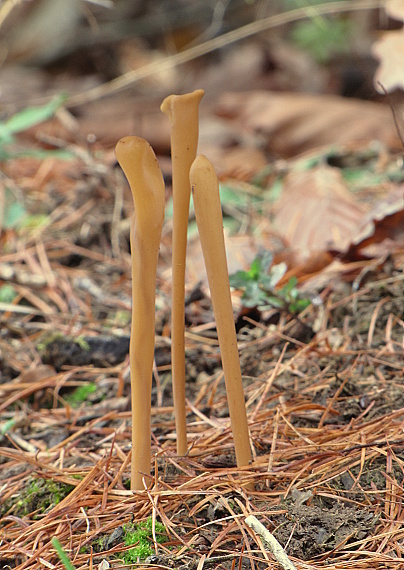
{"x": 141, "y": 535}
{"x": 62, "y": 554}
{"x": 25, "y": 119}
{"x": 6, "y": 427}
{"x": 259, "y": 286}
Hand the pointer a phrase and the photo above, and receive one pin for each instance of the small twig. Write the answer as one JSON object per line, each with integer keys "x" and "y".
{"x": 116, "y": 219}
{"x": 395, "y": 118}
{"x": 201, "y": 562}
{"x": 270, "y": 541}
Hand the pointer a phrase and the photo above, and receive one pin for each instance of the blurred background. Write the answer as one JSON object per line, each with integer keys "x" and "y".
{"x": 116, "y": 60}
{"x": 102, "y": 39}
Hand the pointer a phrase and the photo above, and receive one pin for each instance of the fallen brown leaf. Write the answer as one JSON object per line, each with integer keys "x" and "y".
{"x": 316, "y": 211}
{"x": 294, "y": 123}
{"x": 395, "y": 9}
{"x": 389, "y": 50}
{"x": 384, "y": 222}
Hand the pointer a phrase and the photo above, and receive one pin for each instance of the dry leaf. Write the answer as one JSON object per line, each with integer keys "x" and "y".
{"x": 389, "y": 50}
{"x": 316, "y": 212}
{"x": 233, "y": 152}
{"x": 36, "y": 374}
{"x": 240, "y": 252}
{"x": 314, "y": 265}
{"x": 384, "y": 222}
{"x": 294, "y": 123}
{"x": 239, "y": 163}
{"x": 395, "y": 9}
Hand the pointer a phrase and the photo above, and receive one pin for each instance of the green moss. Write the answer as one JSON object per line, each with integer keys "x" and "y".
{"x": 121, "y": 318}
{"x": 38, "y": 496}
{"x": 80, "y": 394}
{"x": 48, "y": 339}
{"x": 141, "y": 535}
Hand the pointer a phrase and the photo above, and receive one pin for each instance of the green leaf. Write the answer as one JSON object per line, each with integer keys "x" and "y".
{"x": 7, "y": 426}
{"x": 290, "y": 285}
{"x": 31, "y": 116}
{"x": 259, "y": 282}
{"x": 273, "y": 192}
{"x": 271, "y": 301}
{"x": 255, "y": 269}
{"x": 276, "y": 273}
{"x": 7, "y": 293}
{"x": 299, "y": 305}
{"x": 266, "y": 260}
{"x": 25, "y": 119}
{"x": 5, "y": 135}
{"x": 323, "y": 38}
{"x": 253, "y": 295}
{"x": 13, "y": 215}
{"x": 239, "y": 279}
{"x": 230, "y": 196}
{"x": 39, "y": 153}
{"x": 62, "y": 554}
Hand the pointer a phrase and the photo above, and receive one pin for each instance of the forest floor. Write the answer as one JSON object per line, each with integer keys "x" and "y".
{"x": 323, "y": 384}
{"x": 324, "y": 394}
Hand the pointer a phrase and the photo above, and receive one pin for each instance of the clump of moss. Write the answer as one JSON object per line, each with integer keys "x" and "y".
{"x": 38, "y": 496}
{"x": 81, "y": 394}
{"x": 141, "y": 535}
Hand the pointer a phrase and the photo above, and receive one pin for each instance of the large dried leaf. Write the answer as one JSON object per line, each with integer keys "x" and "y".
{"x": 395, "y": 9}
{"x": 293, "y": 123}
{"x": 316, "y": 211}
{"x": 384, "y": 223}
{"x": 389, "y": 50}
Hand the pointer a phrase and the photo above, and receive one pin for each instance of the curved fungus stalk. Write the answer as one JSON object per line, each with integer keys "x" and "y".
{"x": 140, "y": 166}
{"x": 208, "y": 212}
{"x": 183, "y": 112}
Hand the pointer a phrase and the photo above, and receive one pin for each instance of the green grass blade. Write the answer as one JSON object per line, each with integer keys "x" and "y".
{"x": 62, "y": 554}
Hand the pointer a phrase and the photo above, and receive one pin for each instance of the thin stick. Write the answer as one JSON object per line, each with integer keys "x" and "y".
{"x": 140, "y": 166}
{"x": 205, "y": 190}
{"x": 183, "y": 113}
{"x": 270, "y": 541}
{"x": 396, "y": 120}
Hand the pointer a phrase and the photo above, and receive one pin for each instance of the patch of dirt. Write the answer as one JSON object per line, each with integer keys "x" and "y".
{"x": 312, "y": 531}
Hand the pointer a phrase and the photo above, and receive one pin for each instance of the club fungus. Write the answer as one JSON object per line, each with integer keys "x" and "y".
{"x": 208, "y": 212}
{"x": 182, "y": 111}
{"x": 140, "y": 166}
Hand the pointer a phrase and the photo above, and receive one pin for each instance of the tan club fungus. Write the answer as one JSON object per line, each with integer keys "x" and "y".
{"x": 183, "y": 113}
{"x": 140, "y": 166}
{"x": 208, "y": 212}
